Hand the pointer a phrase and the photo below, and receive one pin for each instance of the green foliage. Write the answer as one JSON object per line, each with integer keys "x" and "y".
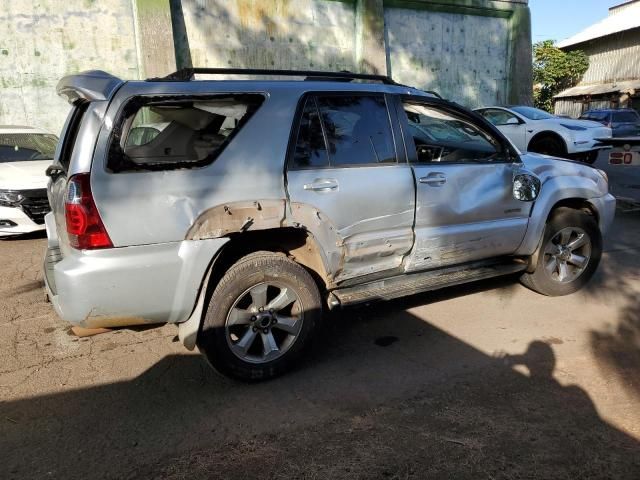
{"x": 555, "y": 70}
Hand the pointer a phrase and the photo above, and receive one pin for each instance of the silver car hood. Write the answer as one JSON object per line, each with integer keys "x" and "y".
{"x": 546, "y": 168}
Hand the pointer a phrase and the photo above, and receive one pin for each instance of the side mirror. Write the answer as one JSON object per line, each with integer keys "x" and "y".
{"x": 512, "y": 121}
{"x": 526, "y": 187}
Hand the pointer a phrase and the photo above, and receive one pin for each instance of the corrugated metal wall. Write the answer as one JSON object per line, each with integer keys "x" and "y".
{"x": 613, "y": 58}
{"x": 568, "y": 107}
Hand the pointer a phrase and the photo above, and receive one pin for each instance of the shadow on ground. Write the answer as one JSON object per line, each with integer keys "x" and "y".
{"x": 618, "y": 347}
{"x": 344, "y": 414}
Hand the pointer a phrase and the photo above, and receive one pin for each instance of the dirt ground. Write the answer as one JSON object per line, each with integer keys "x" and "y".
{"x": 483, "y": 381}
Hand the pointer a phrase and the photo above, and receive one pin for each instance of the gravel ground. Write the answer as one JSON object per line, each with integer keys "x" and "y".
{"x": 482, "y": 381}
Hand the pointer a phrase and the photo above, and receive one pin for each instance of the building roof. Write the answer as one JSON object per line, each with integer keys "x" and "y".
{"x": 600, "y": 89}
{"x": 621, "y": 18}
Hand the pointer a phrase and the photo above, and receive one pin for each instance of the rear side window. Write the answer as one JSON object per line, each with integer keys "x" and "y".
{"x": 625, "y": 117}
{"x": 70, "y": 133}
{"x": 177, "y": 133}
{"x": 310, "y": 150}
{"x": 357, "y": 129}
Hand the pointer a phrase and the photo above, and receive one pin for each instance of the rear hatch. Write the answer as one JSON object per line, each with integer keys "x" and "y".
{"x": 89, "y": 94}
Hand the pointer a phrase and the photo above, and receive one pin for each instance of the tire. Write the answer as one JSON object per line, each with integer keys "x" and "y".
{"x": 564, "y": 228}
{"x": 548, "y": 145}
{"x": 261, "y": 317}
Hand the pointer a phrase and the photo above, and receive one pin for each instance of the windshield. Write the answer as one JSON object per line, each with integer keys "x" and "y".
{"x": 532, "y": 113}
{"x": 21, "y": 147}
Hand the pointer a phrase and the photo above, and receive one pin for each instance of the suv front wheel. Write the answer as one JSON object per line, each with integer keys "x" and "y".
{"x": 261, "y": 317}
{"x": 569, "y": 254}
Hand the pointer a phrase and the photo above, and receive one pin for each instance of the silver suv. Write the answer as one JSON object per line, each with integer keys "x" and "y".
{"x": 240, "y": 209}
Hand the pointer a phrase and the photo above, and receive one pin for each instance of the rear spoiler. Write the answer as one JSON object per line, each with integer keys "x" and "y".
{"x": 90, "y": 85}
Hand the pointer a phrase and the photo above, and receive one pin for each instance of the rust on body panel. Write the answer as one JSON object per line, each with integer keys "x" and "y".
{"x": 236, "y": 217}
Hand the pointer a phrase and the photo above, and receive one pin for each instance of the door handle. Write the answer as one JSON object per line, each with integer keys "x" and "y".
{"x": 322, "y": 185}
{"x": 434, "y": 179}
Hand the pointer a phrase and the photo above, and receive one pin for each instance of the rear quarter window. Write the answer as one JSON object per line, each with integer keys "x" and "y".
{"x": 625, "y": 117}
{"x": 173, "y": 133}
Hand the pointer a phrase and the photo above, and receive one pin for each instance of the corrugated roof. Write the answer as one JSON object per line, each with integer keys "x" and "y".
{"x": 616, "y": 22}
{"x": 600, "y": 88}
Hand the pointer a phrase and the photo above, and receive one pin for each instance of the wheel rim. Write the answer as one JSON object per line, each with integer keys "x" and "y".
{"x": 264, "y": 322}
{"x": 567, "y": 254}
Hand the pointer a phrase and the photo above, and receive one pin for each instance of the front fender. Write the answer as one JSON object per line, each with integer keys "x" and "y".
{"x": 555, "y": 190}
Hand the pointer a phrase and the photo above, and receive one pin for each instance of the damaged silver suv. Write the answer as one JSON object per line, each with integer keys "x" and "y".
{"x": 241, "y": 209}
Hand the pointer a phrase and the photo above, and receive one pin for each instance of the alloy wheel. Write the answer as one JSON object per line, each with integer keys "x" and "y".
{"x": 567, "y": 254}
{"x": 264, "y": 322}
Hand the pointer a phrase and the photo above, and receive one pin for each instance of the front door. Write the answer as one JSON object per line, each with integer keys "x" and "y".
{"x": 465, "y": 209}
{"x": 345, "y": 169}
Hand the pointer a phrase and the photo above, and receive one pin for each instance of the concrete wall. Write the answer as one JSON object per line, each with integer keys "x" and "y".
{"x": 445, "y": 52}
{"x": 476, "y": 52}
{"x": 305, "y": 34}
{"x": 43, "y": 40}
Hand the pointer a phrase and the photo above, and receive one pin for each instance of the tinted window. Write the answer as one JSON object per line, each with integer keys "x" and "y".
{"x": 20, "y": 147}
{"x": 171, "y": 134}
{"x": 625, "y": 117}
{"x": 310, "y": 150}
{"x": 357, "y": 128}
{"x": 441, "y": 136}
{"x": 532, "y": 113}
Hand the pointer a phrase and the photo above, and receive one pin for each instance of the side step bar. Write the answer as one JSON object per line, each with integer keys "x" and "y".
{"x": 409, "y": 284}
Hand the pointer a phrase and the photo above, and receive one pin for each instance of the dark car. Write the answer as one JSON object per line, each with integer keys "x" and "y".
{"x": 623, "y": 122}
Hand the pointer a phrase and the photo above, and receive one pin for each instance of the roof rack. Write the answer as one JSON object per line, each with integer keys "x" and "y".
{"x": 187, "y": 74}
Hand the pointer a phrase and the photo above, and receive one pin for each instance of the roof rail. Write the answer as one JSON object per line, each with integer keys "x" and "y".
{"x": 187, "y": 74}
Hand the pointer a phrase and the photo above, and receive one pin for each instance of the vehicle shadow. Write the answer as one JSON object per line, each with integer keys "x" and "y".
{"x": 618, "y": 346}
{"x": 389, "y": 394}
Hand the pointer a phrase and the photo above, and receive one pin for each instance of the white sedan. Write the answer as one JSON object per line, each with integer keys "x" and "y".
{"x": 534, "y": 130}
{"x": 25, "y": 154}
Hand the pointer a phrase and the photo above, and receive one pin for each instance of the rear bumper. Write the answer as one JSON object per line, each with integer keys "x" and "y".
{"x": 13, "y": 221}
{"x": 128, "y": 286}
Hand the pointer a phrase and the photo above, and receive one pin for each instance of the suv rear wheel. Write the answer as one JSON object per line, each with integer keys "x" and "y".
{"x": 261, "y": 317}
{"x": 569, "y": 255}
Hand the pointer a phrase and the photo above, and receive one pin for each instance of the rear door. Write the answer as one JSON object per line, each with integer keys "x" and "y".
{"x": 465, "y": 209}
{"x": 346, "y": 166}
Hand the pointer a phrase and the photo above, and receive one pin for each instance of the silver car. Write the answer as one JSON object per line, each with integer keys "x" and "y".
{"x": 259, "y": 204}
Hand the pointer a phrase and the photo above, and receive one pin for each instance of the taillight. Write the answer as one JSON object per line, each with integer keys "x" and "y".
{"x": 84, "y": 225}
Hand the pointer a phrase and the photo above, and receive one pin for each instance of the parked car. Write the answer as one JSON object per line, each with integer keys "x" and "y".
{"x": 25, "y": 153}
{"x": 263, "y": 203}
{"x": 534, "y": 130}
{"x": 621, "y": 163}
{"x": 622, "y": 122}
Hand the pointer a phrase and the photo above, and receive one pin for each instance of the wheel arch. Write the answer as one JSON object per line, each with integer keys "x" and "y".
{"x": 564, "y": 191}
{"x": 297, "y": 243}
{"x": 548, "y": 133}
